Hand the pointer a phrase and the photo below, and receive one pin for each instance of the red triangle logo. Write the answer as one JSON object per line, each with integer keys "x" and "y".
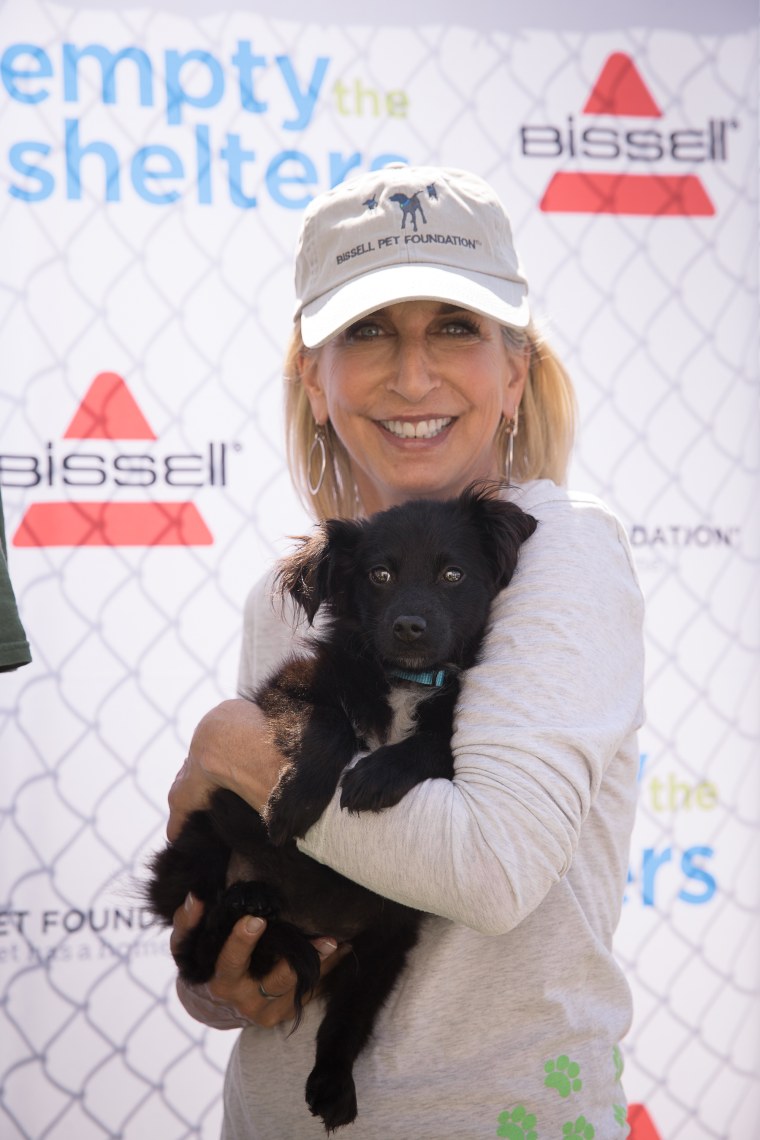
{"x": 641, "y": 1124}
{"x": 112, "y": 524}
{"x": 620, "y": 90}
{"x": 109, "y": 411}
{"x": 647, "y": 195}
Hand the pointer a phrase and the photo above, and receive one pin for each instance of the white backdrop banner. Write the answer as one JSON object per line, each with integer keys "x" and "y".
{"x": 155, "y": 161}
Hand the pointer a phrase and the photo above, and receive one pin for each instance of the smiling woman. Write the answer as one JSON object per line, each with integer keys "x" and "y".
{"x": 412, "y": 363}
{"x": 532, "y": 379}
{"x": 541, "y": 390}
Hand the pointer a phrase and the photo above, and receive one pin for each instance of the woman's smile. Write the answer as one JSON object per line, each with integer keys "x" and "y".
{"x": 407, "y": 429}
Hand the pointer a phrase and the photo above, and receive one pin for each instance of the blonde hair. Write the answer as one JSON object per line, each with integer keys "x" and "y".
{"x": 542, "y": 446}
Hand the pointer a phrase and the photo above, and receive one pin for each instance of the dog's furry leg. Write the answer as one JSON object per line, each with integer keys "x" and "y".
{"x": 356, "y": 990}
{"x": 326, "y": 744}
{"x": 196, "y": 861}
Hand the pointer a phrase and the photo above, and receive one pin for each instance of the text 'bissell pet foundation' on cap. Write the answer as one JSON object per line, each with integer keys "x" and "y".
{"x": 406, "y": 233}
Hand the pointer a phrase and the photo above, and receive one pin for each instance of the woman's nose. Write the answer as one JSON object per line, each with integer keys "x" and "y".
{"x": 414, "y": 374}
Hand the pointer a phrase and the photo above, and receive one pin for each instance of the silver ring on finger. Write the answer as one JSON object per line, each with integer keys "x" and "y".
{"x": 265, "y": 993}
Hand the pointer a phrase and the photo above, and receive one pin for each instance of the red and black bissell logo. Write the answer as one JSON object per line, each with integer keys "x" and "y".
{"x": 610, "y": 148}
{"x": 128, "y": 478}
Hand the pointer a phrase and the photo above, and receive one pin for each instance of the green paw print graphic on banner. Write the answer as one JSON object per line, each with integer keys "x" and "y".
{"x": 580, "y": 1130}
{"x": 563, "y": 1075}
{"x": 517, "y": 1124}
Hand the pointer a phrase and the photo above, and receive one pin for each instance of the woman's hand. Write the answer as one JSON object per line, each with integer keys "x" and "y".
{"x": 231, "y": 748}
{"x": 232, "y": 998}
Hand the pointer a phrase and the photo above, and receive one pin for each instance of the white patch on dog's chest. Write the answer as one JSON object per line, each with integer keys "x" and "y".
{"x": 403, "y": 701}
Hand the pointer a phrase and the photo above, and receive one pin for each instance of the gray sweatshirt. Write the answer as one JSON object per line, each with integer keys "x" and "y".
{"x": 507, "y": 1019}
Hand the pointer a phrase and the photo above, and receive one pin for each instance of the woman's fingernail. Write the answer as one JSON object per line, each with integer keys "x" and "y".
{"x": 325, "y": 947}
{"x": 253, "y": 925}
{"x": 189, "y": 900}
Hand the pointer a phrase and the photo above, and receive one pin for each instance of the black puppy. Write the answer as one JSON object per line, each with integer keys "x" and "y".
{"x": 406, "y": 597}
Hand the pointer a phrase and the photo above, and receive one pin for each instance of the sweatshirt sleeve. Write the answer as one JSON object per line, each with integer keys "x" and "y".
{"x": 270, "y": 632}
{"x": 556, "y": 696}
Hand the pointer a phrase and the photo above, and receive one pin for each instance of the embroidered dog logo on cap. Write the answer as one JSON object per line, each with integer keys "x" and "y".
{"x": 411, "y": 205}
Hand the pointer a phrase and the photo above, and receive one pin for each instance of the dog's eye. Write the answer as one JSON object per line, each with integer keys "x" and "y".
{"x": 380, "y": 575}
{"x": 452, "y": 574}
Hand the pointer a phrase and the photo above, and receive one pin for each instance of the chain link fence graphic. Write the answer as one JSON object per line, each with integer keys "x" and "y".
{"x": 190, "y": 303}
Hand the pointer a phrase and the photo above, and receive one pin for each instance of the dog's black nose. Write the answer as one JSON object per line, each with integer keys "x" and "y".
{"x": 409, "y": 627}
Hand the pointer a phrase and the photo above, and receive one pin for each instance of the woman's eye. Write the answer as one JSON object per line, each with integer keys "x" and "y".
{"x": 461, "y": 327}
{"x": 380, "y": 575}
{"x": 363, "y": 330}
{"x": 452, "y": 574}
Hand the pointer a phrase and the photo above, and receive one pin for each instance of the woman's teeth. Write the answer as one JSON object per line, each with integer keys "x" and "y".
{"x": 424, "y": 429}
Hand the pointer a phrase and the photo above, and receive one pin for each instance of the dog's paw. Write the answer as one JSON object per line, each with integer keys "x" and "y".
{"x": 331, "y": 1094}
{"x": 198, "y": 951}
{"x": 373, "y": 783}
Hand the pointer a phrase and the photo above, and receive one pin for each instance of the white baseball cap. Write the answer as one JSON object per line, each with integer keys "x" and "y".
{"x": 406, "y": 233}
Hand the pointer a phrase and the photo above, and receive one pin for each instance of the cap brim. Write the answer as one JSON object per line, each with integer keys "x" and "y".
{"x": 504, "y": 301}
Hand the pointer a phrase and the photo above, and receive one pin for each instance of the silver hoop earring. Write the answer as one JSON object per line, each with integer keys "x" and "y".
{"x": 510, "y": 427}
{"x": 317, "y": 448}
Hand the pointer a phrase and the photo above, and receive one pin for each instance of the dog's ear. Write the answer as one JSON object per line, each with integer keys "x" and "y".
{"x": 314, "y": 571}
{"x": 505, "y": 527}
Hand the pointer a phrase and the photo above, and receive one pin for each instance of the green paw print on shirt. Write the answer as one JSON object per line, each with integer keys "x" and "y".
{"x": 621, "y": 1113}
{"x": 563, "y": 1075}
{"x": 517, "y": 1124}
{"x": 617, "y": 1060}
{"x": 580, "y": 1130}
